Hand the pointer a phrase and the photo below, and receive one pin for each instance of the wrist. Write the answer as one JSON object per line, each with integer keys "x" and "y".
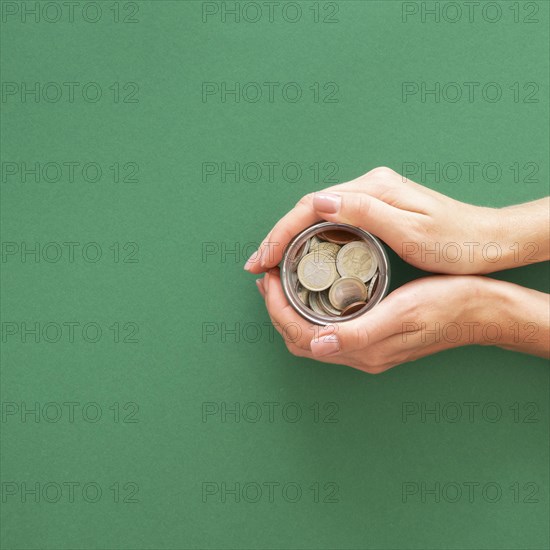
{"x": 512, "y": 317}
{"x": 490, "y": 244}
{"x": 513, "y": 236}
{"x": 488, "y": 310}
{"x": 475, "y": 310}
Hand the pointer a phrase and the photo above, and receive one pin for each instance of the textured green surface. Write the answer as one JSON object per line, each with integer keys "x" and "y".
{"x": 173, "y": 292}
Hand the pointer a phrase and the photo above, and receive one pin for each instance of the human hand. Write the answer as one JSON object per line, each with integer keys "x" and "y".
{"x": 423, "y": 317}
{"x": 427, "y": 229}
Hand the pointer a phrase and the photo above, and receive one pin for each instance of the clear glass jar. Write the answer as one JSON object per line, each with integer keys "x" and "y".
{"x": 294, "y": 253}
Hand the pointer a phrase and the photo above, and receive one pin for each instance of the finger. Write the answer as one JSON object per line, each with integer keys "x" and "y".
{"x": 379, "y": 183}
{"x": 253, "y": 264}
{"x": 392, "y": 188}
{"x": 298, "y": 351}
{"x": 292, "y": 327}
{"x": 398, "y": 190}
{"x": 332, "y": 360}
{"x": 363, "y": 210}
{"x": 260, "y": 285}
{"x": 271, "y": 250}
{"x": 347, "y": 337}
{"x": 360, "y": 209}
{"x": 412, "y": 345}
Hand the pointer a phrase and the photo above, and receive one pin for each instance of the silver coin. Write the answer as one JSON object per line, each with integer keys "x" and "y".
{"x": 328, "y": 248}
{"x": 356, "y": 259}
{"x": 372, "y": 286}
{"x": 303, "y": 250}
{"x": 347, "y": 291}
{"x": 314, "y": 303}
{"x": 317, "y": 271}
{"x": 303, "y": 294}
{"x": 324, "y": 302}
{"x": 293, "y": 278}
{"x": 314, "y": 241}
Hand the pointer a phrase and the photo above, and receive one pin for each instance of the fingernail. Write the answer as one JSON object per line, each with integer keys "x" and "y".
{"x": 260, "y": 285}
{"x": 327, "y": 202}
{"x": 325, "y": 345}
{"x": 266, "y": 282}
{"x": 251, "y": 261}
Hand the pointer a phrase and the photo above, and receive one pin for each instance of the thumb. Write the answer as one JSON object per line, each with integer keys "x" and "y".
{"x": 382, "y": 321}
{"x": 365, "y": 211}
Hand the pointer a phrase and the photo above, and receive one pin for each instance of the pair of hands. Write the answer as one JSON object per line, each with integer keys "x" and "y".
{"x": 432, "y": 232}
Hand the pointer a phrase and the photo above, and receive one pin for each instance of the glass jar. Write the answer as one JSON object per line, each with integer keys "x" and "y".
{"x": 296, "y": 250}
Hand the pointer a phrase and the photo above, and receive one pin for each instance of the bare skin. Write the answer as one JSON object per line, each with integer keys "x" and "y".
{"x": 437, "y": 234}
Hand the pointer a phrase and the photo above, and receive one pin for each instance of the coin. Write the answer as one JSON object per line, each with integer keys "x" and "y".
{"x": 314, "y": 303}
{"x": 324, "y": 302}
{"x": 303, "y": 294}
{"x": 372, "y": 286}
{"x": 346, "y": 291}
{"x": 337, "y": 236}
{"x": 328, "y": 248}
{"x": 317, "y": 271}
{"x": 304, "y": 249}
{"x": 293, "y": 278}
{"x": 314, "y": 240}
{"x": 352, "y": 308}
{"x": 356, "y": 259}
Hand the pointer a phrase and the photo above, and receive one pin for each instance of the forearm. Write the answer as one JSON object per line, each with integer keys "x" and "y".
{"x": 521, "y": 314}
{"x": 521, "y": 234}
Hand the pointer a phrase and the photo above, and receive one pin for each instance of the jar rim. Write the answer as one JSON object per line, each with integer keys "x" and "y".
{"x": 289, "y": 261}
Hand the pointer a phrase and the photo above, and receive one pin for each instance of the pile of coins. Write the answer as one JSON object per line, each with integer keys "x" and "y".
{"x": 336, "y": 273}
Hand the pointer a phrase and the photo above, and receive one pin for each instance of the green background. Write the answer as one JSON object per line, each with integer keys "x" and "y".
{"x": 174, "y": 291}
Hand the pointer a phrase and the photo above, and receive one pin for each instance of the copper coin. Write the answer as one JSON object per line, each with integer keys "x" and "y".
{"x": 338, "y": 236}
{"x": 352, "y": 308}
